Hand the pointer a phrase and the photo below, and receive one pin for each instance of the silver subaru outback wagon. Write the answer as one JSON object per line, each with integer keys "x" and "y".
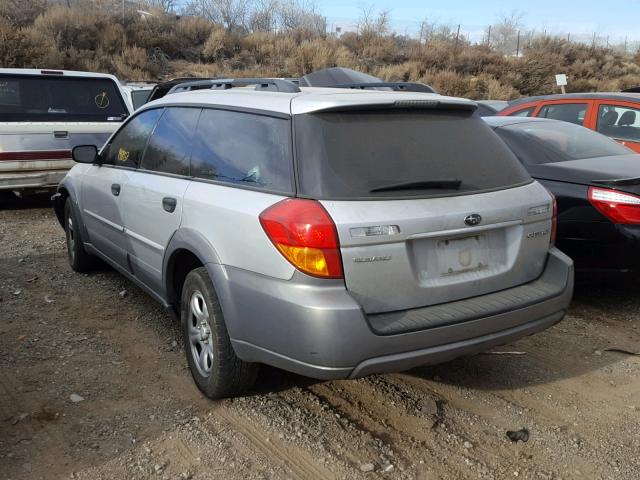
{"x": 327, "y": 232}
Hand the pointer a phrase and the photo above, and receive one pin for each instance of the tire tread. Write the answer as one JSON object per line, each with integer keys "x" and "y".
{"x": 230, "y": 375}
{"x": 82, "y": 261}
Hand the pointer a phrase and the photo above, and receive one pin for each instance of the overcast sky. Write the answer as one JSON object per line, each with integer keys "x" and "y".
{"x": 616, "y": 19}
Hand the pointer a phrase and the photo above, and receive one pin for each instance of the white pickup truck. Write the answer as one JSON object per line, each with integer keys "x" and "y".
{"x": 44, "y": 114}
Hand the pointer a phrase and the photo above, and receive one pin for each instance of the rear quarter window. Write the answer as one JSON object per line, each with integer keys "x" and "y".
{"x": 35, "y": 98}
{"x": 351, "y": 154}
{"x": 619, "y": 121}
{"x": 139, "y": 97}
{"x": 566, "y": 112}
{"x": 525, "y": 112}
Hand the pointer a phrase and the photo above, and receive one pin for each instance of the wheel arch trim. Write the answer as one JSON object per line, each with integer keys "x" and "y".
{"x": 193, "y": 242}
{"x": 66, "y": 190}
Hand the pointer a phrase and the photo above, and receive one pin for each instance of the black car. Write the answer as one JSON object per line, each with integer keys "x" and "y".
{"x": 596, "y": 182}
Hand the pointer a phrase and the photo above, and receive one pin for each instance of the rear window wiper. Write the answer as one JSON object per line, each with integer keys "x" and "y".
{"x": 436, "y": 184}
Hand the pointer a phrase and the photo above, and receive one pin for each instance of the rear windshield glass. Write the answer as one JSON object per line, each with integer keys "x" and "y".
{"x": 32, "y": 98}
{"x": 401, "y": 154}
{"x": 536, "y": 143}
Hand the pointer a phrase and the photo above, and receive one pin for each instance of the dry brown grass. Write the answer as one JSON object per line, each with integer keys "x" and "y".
{"x": 163, "y": 46}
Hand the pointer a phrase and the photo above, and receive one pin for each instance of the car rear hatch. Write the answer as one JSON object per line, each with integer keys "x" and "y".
{"x": 563, "y": 152}
{"x": 429, "y": 205}
{"x": 44, "y": 116}
{"x": 621, "y": 172}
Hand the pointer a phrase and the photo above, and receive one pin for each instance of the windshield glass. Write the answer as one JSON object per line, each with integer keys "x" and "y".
{"x": 536, "y": 143}
{"x": 400, "y": 154}
{"x": 33, "y": 98}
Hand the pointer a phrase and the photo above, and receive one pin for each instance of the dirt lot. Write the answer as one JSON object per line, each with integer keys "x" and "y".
{"x": 100, "y": 341}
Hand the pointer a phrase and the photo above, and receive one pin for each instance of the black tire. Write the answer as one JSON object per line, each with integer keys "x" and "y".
{"x": 216, "y": 369}
{"x": 79, "y": 259}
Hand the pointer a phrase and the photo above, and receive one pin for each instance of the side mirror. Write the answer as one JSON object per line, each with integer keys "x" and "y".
{"x": 85, "y": 153}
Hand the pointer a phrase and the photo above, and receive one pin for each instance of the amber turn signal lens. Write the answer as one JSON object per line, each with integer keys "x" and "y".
{"x": 304, "y": 233}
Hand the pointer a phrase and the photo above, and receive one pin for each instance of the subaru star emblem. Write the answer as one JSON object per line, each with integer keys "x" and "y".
{"x": 473, "y": 219}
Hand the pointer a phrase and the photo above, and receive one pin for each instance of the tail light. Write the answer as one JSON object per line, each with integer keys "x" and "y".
{"x": 554, "y": 220}
{"x": 304, "y": 233}
{"x": 617, "y": 206}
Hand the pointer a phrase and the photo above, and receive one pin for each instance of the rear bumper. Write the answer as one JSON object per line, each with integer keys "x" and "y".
{"x": 46, "y": 179}
{"x": 317, "y": 329}
{"x": 603, "y": 247}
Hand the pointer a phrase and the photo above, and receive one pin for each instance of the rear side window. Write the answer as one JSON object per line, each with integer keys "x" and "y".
{"x": 244, "y": 149}
{"x": 567, "y": 112}
{"x": 485, "y": 110}
{"x": 525, "y": 112}
{"x": 401, "y": 154}
{"x": 170, "y": 144}
{"x": 127, "y": 146}
{"x": 34, "y": 98}
{"x": 548, "y": 142}
{"x": 619, "y": 122}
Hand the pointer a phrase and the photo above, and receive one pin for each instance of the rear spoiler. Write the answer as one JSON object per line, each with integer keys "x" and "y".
{"x": 622, "y": 182}
{"x": 431, "y": 104}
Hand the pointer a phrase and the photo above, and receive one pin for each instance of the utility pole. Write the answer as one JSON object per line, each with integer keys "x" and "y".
{"x": 518, "y": 46}
{"x": 124, "y": 33}
{"x": 568, "y": 37}
{"x": 593, "y": 45}
{"x": 455, "y": 48}
{"x": 489, "y": 37}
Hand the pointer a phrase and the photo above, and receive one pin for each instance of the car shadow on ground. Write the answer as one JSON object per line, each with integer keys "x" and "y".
{"x": 9, "y": 201}
{"x": 559, "y": 353}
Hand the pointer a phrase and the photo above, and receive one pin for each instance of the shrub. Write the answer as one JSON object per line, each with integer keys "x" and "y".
{"x": 92, "y": 35}
{"x": 26, "y": 48}
{"x": 131, "y": 64}
{"x": 21, "y": 12}
{"x": 218, "y": 45}
{"x": 72, "y": 27}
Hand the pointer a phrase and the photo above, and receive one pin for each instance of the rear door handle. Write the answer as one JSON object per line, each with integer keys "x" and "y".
{"x": 169, "y": 204}
{"x": 115, "y": 189}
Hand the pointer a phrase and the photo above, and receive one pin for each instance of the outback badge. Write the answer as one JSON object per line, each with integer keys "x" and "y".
{"x": 473, "y": 219}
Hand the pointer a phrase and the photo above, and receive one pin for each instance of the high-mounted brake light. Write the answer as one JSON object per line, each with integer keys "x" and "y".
{"x": 304, "y": 233}
{"x": 619, "y": 207}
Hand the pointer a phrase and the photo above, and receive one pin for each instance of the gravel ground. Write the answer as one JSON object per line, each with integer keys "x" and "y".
{"x": 94, "y": 385}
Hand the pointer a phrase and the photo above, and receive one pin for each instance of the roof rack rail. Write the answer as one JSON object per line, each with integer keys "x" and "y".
{"x": 395, "y": 86}
{"x": 271, "y": 84}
